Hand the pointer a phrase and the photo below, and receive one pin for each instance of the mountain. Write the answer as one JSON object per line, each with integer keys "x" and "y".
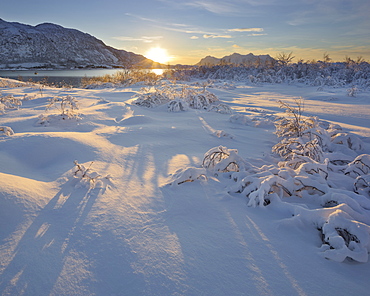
{"x": 52, "y": 46}
{"x": 235, "y": 58}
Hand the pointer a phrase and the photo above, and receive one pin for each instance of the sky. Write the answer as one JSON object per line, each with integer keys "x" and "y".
{"x": 189, "y": 30}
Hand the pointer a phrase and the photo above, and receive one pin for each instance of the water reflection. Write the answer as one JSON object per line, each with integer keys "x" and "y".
{"x": 158, "y": 71}
{"x": 64, "y": 77}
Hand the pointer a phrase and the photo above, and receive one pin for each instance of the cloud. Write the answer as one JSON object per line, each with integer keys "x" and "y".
{"x": 216, "y": 7}
{"x": 236, "y": 46}
{"x": 246, "y": 30}
{"x": 145, "y": 39}
{"x": 206, "y": 36}
{"x": 221, "y": 7}
{"x": 182, "y": 28}
{"x": 257, "y": 35}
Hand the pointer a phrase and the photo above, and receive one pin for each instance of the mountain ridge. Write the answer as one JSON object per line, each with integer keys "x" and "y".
{"x": 235, "y": 59}
{"x": 49, "y": 45}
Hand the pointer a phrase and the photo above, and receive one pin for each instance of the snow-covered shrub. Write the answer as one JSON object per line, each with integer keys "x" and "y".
{"x": 306, "y": 188}
{"x": 301, "y": 136}
{"x": 308, "y": 179}
{"x": 151, "y": 97}
{"x": 313, "y": 73}
{"x": 200, "y": 100}
{"x": 219, "y": 108}
{"x": 222, "y": 159}
{"x": 87, "y": 177}
{"x": 177, "y": 106}
{"x": 67, "y": 107}
{"x": 290, "y": 148}
{"x": 362, "y": 185}
{"x": 190, "y": 175}
{"x": 225, "y": 85}
{"x": 6, "y": 130}
{"x": 223, "y": 134}
{"x": 9, "y": 102}
{"x": 352, "y": 92}
{"x": 359, "y": 166}
{"x": 179, "y": 99}
{"x": 294, "y": 124}
{"x": 151, "y": 100}
{"x": 122, "y": 78}
{"x": 344, "y": 237}
{"x": 320, "y": 180}
{"x": 350, "y": 141}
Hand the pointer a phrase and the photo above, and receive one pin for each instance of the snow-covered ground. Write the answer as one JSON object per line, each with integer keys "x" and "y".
{"x": 119, "y": 223}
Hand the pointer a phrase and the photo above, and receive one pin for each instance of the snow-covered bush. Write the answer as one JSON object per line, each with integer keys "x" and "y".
{"x": 87, "y": 177}
{"x": 152, "y": 99}
{"x": 6, "y": 130}
{"x": 177, "y": 106}
{"x": 261, "y": 186}
{"x": 222, "y": 134}
{"x": 308, "y": 136}
{"x": 313, "y": 73}
{"x": 222, "y": 159}
{"x": 9, "y": 102}
{"x": 189, "y": 175}
{"x": 318, "y": 181}
{"x": 219, "y": 108}
{"x": 179, "y": 99}
{"x": 359, "y": 166}
{"x": 292, "y": 148}
{"x": 200, "y": 100}
{"x": 344, "y": 236}
{"x": 256, "y": 120}
{"x": 67, "y": 107}
{"x": 352, "y": 92}
{"x": 122, "y": 78}
{"x": 349, "y": 141}
{"x": 301, "y": 136}
{"x": 362, "y": 185}
{"x": 294, "y": 124}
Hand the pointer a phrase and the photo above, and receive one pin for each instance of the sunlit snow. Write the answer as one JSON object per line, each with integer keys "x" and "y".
{"x": 105, "y": 196}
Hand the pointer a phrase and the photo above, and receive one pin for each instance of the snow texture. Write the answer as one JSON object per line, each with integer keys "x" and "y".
{"x": 114, "y": 195}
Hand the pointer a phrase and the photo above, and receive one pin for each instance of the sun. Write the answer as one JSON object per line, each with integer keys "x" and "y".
{"x": 158, "y": 54}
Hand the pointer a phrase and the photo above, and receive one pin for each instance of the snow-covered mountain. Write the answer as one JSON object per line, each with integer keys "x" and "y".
{"x": 235, "y": 58}
{"x": 51, "y": 45}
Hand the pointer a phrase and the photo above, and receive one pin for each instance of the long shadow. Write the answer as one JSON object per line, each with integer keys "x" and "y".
{"x": 224, "y": 250}
{"x": 40, "y": 255}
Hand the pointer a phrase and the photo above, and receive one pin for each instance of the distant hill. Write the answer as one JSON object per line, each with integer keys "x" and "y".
{"x": 235, "y": 58}
{"x": 52, "y": 46}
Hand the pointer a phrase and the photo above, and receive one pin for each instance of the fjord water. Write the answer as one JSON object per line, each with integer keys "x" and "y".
{"x": 56, "y": 77}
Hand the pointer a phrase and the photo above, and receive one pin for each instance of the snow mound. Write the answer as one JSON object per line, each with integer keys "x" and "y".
{"x": 6, "y": 130}
{"x": 257, "y": 120}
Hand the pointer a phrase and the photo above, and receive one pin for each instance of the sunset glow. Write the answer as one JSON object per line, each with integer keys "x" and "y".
{"x": 184, "y": 32}
{"x": 158, "y": 54}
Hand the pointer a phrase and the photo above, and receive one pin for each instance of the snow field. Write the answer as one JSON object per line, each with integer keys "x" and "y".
{"x": 135, "y": 234}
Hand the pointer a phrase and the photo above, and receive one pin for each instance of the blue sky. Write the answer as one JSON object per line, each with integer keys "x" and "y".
{"x": 192, "y": 29}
